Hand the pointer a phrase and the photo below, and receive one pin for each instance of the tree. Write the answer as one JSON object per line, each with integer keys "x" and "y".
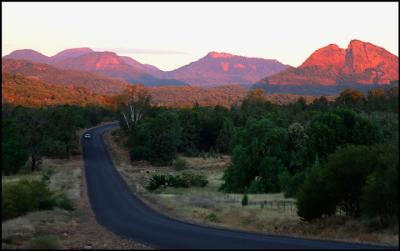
{"x": 32, "y": 130}
{"x": 350, "y": 97}
{"x": 225, "y": 135}
{"x": 297, "y": 146}
{"x": 329, "y": 130}
{"x": 314, "y": 198}
{"x": 133, "y": 104}
{"x": 260, "y": 148}
{"x": 157, "y": 138}
{"x": 254, "y": 105}
{"x": 347, "y": 170}
{"x": 13, "y": 147}
{"x": 380, "y": 193}
{"x": 320, "y": 103}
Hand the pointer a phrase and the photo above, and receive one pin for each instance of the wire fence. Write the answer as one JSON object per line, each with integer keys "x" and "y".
{"x": 281, "y": 206}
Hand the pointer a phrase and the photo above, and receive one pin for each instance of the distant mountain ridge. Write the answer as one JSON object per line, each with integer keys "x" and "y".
{"x": 330, "y": 68}
{"x": 106, "y": 63}
{"x": 212, "y": 70}
{"x": 221, "y": 68}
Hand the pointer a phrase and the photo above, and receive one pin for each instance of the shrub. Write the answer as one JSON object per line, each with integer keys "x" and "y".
{"x": 61, "y": 201}
{"x": 179, "y": 164}
{"x": 245, "y": 200}
{"x": 212, "y": 217}
{"x": 184, "y": 180}
{"x": 138, "y": 153}
{"x": 19, "y": 198}
{"x": 156, "y": 181}
{"x": 313, "y": 198}
{"x": 195, "y": 179}
{"x": 256, "y": 186}
{"x": 45, "y": 242}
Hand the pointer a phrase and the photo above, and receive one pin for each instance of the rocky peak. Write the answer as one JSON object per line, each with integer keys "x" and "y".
{"x": 215, "y": 54}
{"x": 330, "y": 56}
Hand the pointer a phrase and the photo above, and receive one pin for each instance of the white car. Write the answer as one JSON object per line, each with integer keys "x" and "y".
{"x": 87, "y": 136}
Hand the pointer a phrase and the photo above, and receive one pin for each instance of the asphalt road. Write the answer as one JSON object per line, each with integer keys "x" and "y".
{"x": 116, "y": 208}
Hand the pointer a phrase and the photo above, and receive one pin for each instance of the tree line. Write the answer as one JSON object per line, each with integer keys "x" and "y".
{"x": 315, "y": 152}
{"x": 29, "y": 133}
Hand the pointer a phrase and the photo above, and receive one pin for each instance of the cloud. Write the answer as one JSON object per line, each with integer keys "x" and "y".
{"x": 141, "y": 51}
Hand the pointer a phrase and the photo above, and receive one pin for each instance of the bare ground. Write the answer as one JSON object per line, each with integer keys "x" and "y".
{"x": 208, "y": 206}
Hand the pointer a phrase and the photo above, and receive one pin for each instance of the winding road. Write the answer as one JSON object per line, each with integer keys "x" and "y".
{"x": 116, "y": 208}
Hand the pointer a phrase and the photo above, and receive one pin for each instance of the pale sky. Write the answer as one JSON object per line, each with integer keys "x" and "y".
{"x": 170, "y": 35}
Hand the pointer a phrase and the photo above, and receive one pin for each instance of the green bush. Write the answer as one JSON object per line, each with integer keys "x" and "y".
{"x": 138, "y": 153}
{"x": 19, "y": 198}
{"x": 45, "y": 242}
{"x": 184, "y": 180}
{"x": 245, "y": 200}
{"x": 157, "y": 181}
{"x": 61, "y": 201}
{"x": 256, "y": 186}
{"x": 194, "y": 180}
{"x": 179, "y": 164}
{"x": 212, "y": 217}
{"x": 314, "y": 198}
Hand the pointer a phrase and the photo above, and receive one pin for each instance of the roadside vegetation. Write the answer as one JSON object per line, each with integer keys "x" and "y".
{"x": 332, "y": 158}
{"x": 325, "y": 168}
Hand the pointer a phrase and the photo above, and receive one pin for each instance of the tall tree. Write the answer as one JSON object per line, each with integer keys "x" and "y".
{"x": 133, "y": 104}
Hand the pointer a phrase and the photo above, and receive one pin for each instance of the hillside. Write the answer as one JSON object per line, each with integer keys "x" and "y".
{"x": 52, "y": 75}
{"x": 224, "y": 68}
{"x": 25, "y": 91}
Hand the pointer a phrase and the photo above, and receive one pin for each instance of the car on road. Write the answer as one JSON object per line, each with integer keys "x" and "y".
{"x": 87, "y": 136}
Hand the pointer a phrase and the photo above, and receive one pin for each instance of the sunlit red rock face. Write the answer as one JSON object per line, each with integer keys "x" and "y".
{"x": 107, "y": 63}
{"x": 224, "y": 68}
{"x": 367, "y": 63}
{"x": 361, "y": 63}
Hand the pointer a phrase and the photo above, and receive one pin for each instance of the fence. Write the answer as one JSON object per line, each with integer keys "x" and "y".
{"x": 281, "y": 206}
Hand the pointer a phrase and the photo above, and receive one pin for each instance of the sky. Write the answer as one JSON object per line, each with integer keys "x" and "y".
{"x": 172, "y": 34}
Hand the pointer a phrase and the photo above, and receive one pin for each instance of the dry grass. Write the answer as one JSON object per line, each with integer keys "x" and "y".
{"x": 208, "y": 206}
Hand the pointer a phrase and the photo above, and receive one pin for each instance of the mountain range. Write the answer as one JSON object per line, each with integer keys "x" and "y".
{"x": 212, "y": 70}
{"x": 326, "y": 71}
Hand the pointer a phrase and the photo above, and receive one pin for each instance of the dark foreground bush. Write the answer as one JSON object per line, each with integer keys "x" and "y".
{"x": 179, "y": 164}
{"x": 19, "y": 198}
{"x": 184, "y": 180}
